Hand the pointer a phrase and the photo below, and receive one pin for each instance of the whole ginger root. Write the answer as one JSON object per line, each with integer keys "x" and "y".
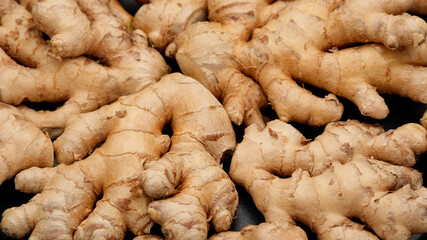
{"x": 307, "y": 41}
{"x": 132, "y": 130}
{"x": 22, "y": 144}
{"x": 204, "y": 51}
{"x": 351, "y": 171}
{"x": 35, "y": 70}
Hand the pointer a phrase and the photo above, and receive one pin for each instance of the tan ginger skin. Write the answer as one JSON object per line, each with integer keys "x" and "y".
{"x": 335, "y": 178}
{"x": 204, "y": 51}
{"x": 299, "y": 40}
{"x": 22, "y": 144}
{"x": 132, "y": 129}
{"x": 302, "y": 43}
{"x": 56, "y": 71}
{"x": 164, "y": 20}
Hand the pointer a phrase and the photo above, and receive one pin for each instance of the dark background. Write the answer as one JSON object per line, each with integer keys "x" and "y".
{"x": 402, "y": 110}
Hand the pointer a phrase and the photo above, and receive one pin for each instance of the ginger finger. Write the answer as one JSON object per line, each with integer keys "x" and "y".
{"x": 23, "y": 145}
{"x": 373, "y": 21}
{"x": 317, "y": 57}
{"x": 283, "y": 92}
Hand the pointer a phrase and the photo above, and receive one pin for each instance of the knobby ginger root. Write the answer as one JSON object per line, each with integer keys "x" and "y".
{"x": 164, "y": 20}
{"x": 204, "y": 51}
{"x": 302, "y": 42}
{"x": 335, "y": 178}
{"x": 22, "y": 144}
{"x": 56, "y": 71}
{"x": 132, "y": 129}
{"x": 424, "y": 120}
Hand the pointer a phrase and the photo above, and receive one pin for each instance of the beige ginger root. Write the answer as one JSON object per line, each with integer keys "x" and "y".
{"x": 22, "y": 144}
{"x": 56, "y": 71}
{"x": 335, "y": 178}
{"x": 302, "y": 42}
{"x": 204, "y": 51}
{"x": 164, "y": 20}
{"x": 299, "y": 40}
{"x": 132, "y": 129}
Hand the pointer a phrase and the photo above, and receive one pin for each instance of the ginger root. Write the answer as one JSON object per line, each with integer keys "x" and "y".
{"x": 304, "y": 42}
{"x": 164, "y": 20}
{"x": 132, "y": 129}
{"x": 35, "y": 70}
{"x": 22, "y": 144}
{"x": 335, "y": 178}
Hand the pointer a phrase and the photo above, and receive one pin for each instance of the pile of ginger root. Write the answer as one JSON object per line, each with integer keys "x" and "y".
{"x": 131, "y": 146}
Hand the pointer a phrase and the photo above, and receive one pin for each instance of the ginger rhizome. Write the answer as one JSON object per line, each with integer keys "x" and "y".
{"x": 351, "y": 171}
{"x": 132, "y": 129}
{"x": 204, "y": 51}
{"x": 22, "y": 144}
{"x": 305, "y": 41}
{"x": 164, "y": 20}
{"x": 35, "y": 70}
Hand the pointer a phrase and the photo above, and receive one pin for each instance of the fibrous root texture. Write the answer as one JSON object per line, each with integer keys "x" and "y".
{"x": 136, "y": 164}
{"x": 22, "y": 144}
{"x": 164, "y": 20}
{"x": 351, "y": 171}
{"x": 90, "y": 59}
{"x": 353, "y": 49}
{"x": 204, "y": 51}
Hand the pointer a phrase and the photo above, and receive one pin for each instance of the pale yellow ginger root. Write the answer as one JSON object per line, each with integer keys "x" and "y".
{"x": 55, "y": 71}
{"x": 335, "y": 178}
{"x": 164, "y": 20}
{"x": 204, "y": 51}
{"x": 294, "y": 45}
{"x": 132, "y": 129}
{"x": 302, "y": 42}
{"x": 22, "y": 144}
